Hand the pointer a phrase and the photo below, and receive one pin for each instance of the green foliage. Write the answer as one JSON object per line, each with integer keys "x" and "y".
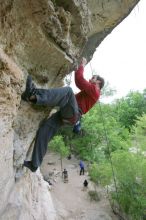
{"x": 93, "y": 172}
{"x": 139, "y": 133}
{"x": 57, "y": 144}
{"x": 92, "y": 144}
{"x": 129, "y": 171}
{"x": 101, "y": 173}
{"x": 130, "y": 107}
{"x": 107, "y": 130}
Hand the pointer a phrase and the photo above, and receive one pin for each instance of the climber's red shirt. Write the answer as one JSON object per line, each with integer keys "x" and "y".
{"x": 89, "y": 93}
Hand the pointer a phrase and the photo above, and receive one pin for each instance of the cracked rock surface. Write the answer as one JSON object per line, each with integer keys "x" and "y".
{"x": 43, "y": 38}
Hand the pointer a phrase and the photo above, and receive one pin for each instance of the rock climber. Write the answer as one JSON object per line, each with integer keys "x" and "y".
{"x": 71, "y": 108}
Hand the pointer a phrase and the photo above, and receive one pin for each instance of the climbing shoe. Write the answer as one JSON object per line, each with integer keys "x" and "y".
{"x": 30, "y": 89}
{"x": 77, "y": 127}
{"x": 29, "y": 165}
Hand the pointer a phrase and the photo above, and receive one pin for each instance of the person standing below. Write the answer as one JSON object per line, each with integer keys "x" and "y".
{"x": 82, "y": 167}
{"x": 85, "y": 183}
{"x": 65, "y": 175}
{"x": 71, "y": 108}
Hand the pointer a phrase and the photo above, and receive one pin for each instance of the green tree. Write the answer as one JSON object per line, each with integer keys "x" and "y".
{"x": 129, "y": 108}
{"x": 101, "y": 173}
{"x": 130, "y": 176}
{"x": 104, "y": 130}
{"x": 129, "y": 170}
{"x": 139, "y": 133}
{"x": 57, "y": 144}
{"x": 92, "y": 144}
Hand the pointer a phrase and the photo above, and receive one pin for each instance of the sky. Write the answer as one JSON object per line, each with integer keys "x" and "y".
{"x": 121, "y": 57}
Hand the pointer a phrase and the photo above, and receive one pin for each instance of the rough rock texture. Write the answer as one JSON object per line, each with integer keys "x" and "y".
{"x": 44, "y": 38}
{"x": 30, "y": 199}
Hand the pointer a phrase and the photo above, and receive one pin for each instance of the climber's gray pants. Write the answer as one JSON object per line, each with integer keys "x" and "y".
{"x": 65, "y": 99}
{"x": 45, "y": 133}
{"x": 62, "y": 97}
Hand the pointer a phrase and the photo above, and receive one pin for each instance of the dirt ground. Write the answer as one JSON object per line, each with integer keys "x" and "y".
{"x": 71, "y": 200}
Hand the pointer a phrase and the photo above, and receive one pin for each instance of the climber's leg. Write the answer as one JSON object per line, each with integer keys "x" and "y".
{"x": 62, "y": 97}
{"x": 45, "y": 133}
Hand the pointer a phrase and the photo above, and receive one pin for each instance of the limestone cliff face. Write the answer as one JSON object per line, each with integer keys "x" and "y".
{"x": 44, "y": 38}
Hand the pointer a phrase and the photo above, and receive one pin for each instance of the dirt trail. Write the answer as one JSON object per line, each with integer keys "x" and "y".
{"x": 71, "y": 201}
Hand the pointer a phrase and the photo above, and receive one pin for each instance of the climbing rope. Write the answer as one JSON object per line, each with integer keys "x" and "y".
{"x": 109, "y": 153}
{"x": 68, "y": 79}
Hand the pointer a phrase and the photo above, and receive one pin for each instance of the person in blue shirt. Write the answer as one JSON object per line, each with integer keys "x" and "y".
{"x": 82, "y": 167}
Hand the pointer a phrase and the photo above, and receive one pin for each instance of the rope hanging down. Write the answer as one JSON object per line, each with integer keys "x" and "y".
{"x": 68, "y": 78}
{"x": 68, "y": 82}
{"x": 109, "y": 151}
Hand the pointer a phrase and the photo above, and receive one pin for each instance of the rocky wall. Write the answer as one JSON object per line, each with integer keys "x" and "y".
{"x": 43, "y": 38}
